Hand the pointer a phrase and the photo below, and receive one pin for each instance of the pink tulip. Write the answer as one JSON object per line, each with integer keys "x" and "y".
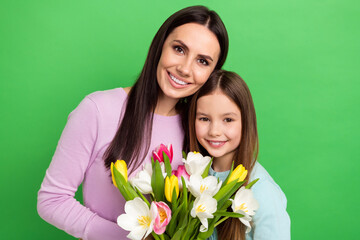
{"x": 163, "y": 216}
{"x": 158, "y": 153}
{"x": 181, "y": 172}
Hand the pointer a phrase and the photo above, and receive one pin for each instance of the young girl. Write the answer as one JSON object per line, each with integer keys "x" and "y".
{"x": 222, "y": 124}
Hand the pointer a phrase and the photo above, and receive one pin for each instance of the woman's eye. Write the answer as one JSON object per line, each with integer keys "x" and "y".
{"x": 204, "y": 62}
{"x": 179, "y": 49}
{"x": 228, "y": 120}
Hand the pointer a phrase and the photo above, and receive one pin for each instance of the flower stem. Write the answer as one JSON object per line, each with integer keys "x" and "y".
{"x": 220, "y": 221}
{"x": 156, "y": 237}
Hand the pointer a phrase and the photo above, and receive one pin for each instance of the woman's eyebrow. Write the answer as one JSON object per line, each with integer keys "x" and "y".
{"x": 182, "y": 44}
{"x": 187, "y": 49}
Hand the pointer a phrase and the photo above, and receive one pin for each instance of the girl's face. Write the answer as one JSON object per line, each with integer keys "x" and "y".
{"x": 218, "y": 125}
{"x": 189, "y": 55}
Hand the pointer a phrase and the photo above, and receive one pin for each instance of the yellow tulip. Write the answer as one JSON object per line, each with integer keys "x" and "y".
{"x": 170, "y": 184}
{"x": 120, "y": 165}
{"x": 238, "y": 174}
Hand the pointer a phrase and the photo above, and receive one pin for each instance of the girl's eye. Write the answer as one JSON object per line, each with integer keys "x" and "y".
{"x": 179, "y": 49}
{"x": 203, "y": 62}
{"x": 228, "y": 120}
{"x": 204, "y": 119}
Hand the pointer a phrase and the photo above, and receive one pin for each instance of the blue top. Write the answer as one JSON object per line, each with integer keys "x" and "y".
{"x": 271, "y": 221}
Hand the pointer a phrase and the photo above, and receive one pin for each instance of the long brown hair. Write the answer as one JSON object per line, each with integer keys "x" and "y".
{"x": 233, "y": 86}
{"x": 142, "y": 99}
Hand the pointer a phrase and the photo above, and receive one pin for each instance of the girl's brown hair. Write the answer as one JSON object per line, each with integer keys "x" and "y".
{"x": 143, "y": 96}
{"x": 233, "y": 86}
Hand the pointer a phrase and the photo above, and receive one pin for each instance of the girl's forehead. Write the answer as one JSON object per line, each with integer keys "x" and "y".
{"x": 216, "y": 102}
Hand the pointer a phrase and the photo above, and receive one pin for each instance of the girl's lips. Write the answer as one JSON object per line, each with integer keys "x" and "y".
{"x": 175, "y": 82}
{"x": 216, "y": 144}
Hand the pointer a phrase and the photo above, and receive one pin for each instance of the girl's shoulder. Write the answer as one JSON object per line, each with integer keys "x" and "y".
{"x": 266, "y": 185}
{"x": 271, "y": 220}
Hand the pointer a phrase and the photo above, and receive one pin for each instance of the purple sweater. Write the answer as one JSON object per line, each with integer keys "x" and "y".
{"x": 78, "y": 159}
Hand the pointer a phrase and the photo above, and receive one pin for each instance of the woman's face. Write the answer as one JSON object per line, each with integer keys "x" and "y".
{"x": 189, "y": 55}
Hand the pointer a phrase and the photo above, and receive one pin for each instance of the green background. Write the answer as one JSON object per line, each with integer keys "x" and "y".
{"x": 299, "y": 58}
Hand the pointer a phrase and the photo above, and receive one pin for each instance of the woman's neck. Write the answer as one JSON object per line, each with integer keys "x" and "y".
{"x": 165, "y": 106}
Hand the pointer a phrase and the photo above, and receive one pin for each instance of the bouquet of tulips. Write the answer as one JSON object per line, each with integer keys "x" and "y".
{"x": 185, "y": 203}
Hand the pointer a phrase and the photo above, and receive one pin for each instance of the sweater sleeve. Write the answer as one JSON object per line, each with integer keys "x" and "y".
{"x": 271, "y": 221}
{"x": 56, "y": 203}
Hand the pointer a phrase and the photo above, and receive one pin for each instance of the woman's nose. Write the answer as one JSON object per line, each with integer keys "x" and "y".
{"x": 184, "y": 68}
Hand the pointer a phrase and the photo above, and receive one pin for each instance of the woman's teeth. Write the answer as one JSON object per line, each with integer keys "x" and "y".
{"x": 177, "y": 80}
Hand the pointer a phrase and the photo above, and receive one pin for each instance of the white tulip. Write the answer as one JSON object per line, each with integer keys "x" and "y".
{"x": 195, "y": 163}
{"x": 245, "y": 204}
{"x": 138, "y": 219}
{"x": 204, "y": 207}
{"x": 142, "y": 180}
{"x": 199, "y": 185}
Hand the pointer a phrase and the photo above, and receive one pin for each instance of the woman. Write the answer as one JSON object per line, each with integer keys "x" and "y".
{"x": 129, "y": 123}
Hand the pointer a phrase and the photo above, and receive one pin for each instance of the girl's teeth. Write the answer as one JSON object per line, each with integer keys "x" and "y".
{"x": 216, "y": 143}
{"x": 177, "y": 80}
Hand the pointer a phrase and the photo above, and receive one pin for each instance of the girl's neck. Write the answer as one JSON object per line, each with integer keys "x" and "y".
{"x": 221, "y": 164}
{"x": 165, "y": 106}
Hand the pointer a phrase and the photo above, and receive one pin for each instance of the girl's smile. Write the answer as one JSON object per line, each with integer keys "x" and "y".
{"x": 216, "y": 144}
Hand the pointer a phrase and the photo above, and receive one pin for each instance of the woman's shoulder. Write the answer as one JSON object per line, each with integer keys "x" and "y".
{"x": 108, "y": 97}
{"x": 106, "y": 104}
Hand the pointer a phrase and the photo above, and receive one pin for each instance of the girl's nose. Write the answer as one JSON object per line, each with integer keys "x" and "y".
{"x": 215, "y": 129}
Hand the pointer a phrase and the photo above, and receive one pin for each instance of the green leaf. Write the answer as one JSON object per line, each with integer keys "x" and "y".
{"x": 193, "y": 229}
{"x": 156, "y": 237}
{"x": 174, "y": 202}
{"x": 142, "y": 196}
{"x": 157, "y": 182}
{"x": 251, "y": 184}
{"x": 207, "y": 234}
{"x": 231, "y": 170}
{"x": 170, "y": 229}
{"x": 206, "y": 171}
{"x": 223, "y": 190}
{"x": 226, "y": 205}
{"x": 184, "y": 154}
{"x": 122, "y": 185}
{"x": 167, "y": 164}
{"x": 227, "y": 195}
{"x": 184, "y": 192}
{"x": 228, "y": 214}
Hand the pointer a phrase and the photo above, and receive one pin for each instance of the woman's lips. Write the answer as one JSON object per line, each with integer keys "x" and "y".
{"x": 175, "y": 82}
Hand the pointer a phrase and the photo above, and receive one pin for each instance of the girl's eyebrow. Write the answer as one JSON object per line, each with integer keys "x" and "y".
{"x": 230, "y": 113}
{"x": 200, "y": 113}
{"x": 225, "y": 114}
{"x": 187, "y": 49}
